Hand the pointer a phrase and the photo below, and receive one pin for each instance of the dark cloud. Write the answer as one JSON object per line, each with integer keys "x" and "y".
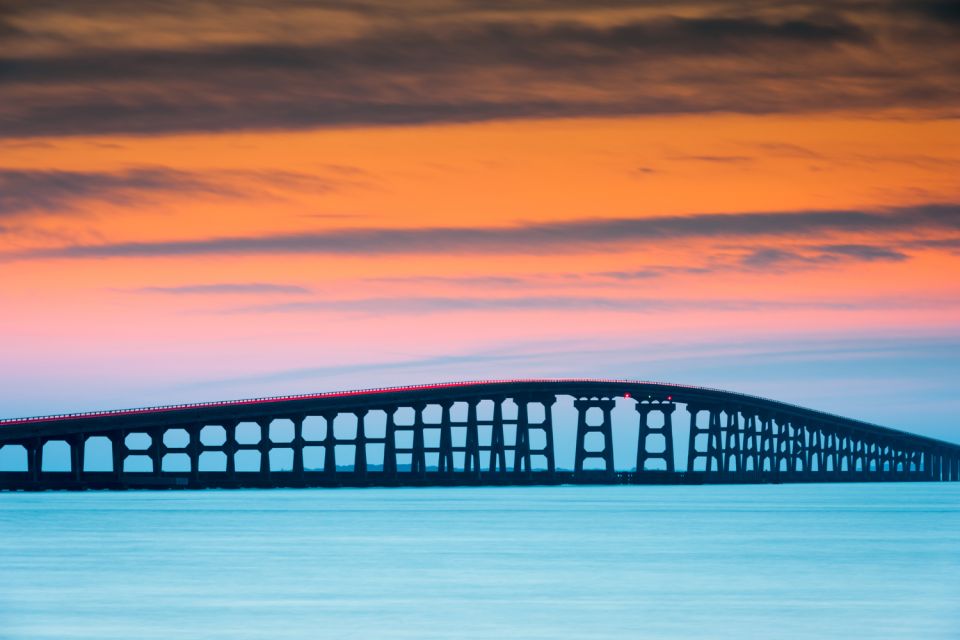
{"x": 26, "y": 190}
{"x": 536, "y": 238}
{"x": 410, "y": 67}
{"x": 775, "y": 257}
{"x": 947, "y": 11}
{"x": 227, "y": 288}
{"x": 58, "y": 191}
{"x": 864, "y": 252}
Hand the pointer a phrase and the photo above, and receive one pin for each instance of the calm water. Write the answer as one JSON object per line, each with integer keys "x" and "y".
{"x": 814, "y": 561}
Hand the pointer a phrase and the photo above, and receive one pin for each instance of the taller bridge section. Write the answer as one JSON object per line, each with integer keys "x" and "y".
{"x": 493, "y": 432}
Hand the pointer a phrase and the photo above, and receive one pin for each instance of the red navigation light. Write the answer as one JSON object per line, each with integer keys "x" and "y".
{"x": 669, "y": 398}
{"x": 626, "y": 395}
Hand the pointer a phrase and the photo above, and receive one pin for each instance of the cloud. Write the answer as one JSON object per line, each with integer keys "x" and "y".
{"x": 452, "y": 304}
{"x": 289, "y": 67}
{"x": 24, "y": 190}
{"x": 768, "y": 257}
{"x": 59, "y": 191}
{"x": 578, "y": 235}
{"x": 226, "y": 288}
{"x": 715, "y": 159}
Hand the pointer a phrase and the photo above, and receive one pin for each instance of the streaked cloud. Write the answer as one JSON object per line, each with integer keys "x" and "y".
{"x": 26, "y": 190}
{"x": 535, "y": 238}
{"x": 778, "y": 257}
{"x": 60, "y": 191}
{"x": 226, "y": 288}
{"x": 425, "y": 62}
{"x": 417, "y": 305}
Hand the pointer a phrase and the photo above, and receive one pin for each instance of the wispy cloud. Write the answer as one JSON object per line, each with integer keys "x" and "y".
{"x": 536, "y": 238}
{"x": 26, "y": 190}
{"x": 229, "y": 288}
{"x": 777, "y": 257}
{"x": 418, "y": 305}
{"x": 60, "y": 191}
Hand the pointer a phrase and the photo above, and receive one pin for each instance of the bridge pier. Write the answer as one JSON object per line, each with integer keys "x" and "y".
{"x": 329, "y": 449}
{"x": 360, "y": 448}
{"x": 605, "y": 405}
{"x": 445, "y": 455}
{"x": 471, "y": 446}
{"x": 498, "y": 454}
{"x": 665, "y": 430}
{"x": 298, "y": 444}
{"x": 521, "y": 454}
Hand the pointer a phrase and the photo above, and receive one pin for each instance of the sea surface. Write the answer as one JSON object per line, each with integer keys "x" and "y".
{"x": 788, "y": 561}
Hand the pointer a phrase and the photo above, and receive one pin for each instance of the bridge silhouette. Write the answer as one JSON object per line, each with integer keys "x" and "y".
{"x": 468, "y": 433}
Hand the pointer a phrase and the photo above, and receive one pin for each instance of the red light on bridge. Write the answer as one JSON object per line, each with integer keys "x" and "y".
{"x": 626, "y": 395}
{"x": 669, "y": 398}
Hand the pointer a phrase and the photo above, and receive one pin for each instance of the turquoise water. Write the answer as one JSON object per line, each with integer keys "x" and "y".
{"x": 788, "y": 561}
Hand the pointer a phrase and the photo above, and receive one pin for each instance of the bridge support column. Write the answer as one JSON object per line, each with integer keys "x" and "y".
{"x": 329, "y": 449}
{"x": 784, "y": 443}
{"x": 298, "y": 445}
{"x": 767, "y": 461}
{"x": 229, "y": 448}
{"x": 264, "y": 448}
{"x": 155, "y": 451}
{"x": 521, "y": 452}
{"x": 390, "y": 446}
{"x": 548, "y": 448}
{"x": 749, "y": 449}
{"x": 799, "y": 461}
{"x": 471, "y": 454}
{"x": 604, "y": 428}
{"x": 665, "y": 430}
{"x": 445, "y": 458}
{"x": 693, "y": 453}
{"x": 732, "y": 448}
{"x": 418, "y": 465}
{"x": 194, "y": 449}
{"x": 118, "y": 447}
{"x": 35, "y": 459}
{"x": 498, "y": 454}
{"x": 77, "y": 447}
{"x": 715, "y": 457}
{"x": 360, "y": 450}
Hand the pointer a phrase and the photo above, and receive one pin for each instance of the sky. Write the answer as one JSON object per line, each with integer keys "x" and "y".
{"x": 224, "y": 199}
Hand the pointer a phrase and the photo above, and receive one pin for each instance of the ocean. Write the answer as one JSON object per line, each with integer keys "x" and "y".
{"x": 764, "y": 561}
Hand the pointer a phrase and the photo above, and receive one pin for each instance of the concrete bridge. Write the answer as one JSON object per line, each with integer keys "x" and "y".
{"x": 466, "y": 433}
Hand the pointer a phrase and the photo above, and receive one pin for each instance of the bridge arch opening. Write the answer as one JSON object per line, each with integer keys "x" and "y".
{"x": 56, "y": 456}
{"x": 98, "y": 454}
{"x": 281, "y": 430}
{"x": 212, "y": 461}
{"x": 248, "y": 433}
{"x": 176, "y": 438}
{"x": 13, "y": 457}
{"x": 213, "y": 435}
{"x": 175, "y": 462}
{"x": 314, "y": 428}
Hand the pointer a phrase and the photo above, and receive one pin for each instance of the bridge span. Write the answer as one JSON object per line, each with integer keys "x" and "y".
{"x": 467, "y": 433}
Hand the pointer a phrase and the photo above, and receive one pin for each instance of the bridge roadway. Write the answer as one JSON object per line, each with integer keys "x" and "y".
{"x": 468, "y": 433}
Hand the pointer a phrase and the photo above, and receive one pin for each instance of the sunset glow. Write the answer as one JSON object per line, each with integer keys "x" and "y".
{"x": 203, "y": 201}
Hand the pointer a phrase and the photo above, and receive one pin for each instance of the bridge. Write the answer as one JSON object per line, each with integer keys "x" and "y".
{"x": 466, "y": 433}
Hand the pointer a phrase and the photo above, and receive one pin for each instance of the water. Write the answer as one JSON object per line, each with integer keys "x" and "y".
{"x": 789, "y": 561}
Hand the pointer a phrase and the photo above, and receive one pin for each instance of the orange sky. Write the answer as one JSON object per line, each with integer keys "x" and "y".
{"x": 184, "y": 229}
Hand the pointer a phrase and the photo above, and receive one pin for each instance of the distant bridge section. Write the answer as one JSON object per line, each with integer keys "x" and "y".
{"x": 466, "y": 433}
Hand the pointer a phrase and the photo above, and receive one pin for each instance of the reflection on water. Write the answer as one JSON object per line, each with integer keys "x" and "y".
{"x": 789, "y": 561}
